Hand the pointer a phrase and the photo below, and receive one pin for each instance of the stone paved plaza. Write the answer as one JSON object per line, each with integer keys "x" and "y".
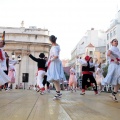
{"x": 30, "y": 105}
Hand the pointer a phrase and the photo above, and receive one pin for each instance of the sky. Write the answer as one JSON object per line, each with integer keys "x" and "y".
{"x": 68, "y": 20}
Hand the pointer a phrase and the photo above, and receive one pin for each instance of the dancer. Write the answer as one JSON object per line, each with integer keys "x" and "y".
{"x": 11, "y": 73}
{"x": 45, "y": 82}
{"x": 99, "y": 77}
{"x": 6, "y": 71}
{"x": 3, "y": 77}
{"x": 41, "y": 70}
{"x": 113, "y": 75}
{"x": 87, "y": 79}
{"x": 72, "y": 79}
{"x": 55, "y": 71}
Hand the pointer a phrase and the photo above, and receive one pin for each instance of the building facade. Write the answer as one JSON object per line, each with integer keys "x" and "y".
{"x": 113, "y": 31}
{"x": 92, "y": 44}
{"x": 21, "y": 40}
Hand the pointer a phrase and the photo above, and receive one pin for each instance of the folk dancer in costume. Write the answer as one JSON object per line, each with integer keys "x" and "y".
{"x": 12, "y": 72}
{"x": 3, "y": 77}
{"x": 55, "y": 71}
{"x": 45, "y": 82}
{"x": 6, "y": 71}
{"x": 113, "y": 75}
{"x": 93, "y": 68}
{"x": 99, "y": 77}
{"x": 72, "y": 79}
{"x": 87, "y": 71}
{"x": 41, "y": 70}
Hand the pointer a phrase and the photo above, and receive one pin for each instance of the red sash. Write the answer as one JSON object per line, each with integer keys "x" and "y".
{"x": 1, "y": 56}
{"x": 87, "y": 72}
{"x": 112, "y": 60}
{"x": 41, "y": 69}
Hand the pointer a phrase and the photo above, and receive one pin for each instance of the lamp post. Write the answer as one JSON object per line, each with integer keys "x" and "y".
{"x": 19, "y": 62}
{"x": 13, "y": 55}
{"x": 19, "y": 58}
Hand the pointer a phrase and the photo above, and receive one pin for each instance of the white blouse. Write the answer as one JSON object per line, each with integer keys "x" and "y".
{"x": 115, "y": 52}
{"x": 83, "y": 62}
{"x": 54, "y": 51}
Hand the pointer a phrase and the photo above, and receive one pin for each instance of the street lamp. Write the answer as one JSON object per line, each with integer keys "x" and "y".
{"x": 19, "y": 61}
{"x": 19, "y": 58}
{"x": 13, "y": 55}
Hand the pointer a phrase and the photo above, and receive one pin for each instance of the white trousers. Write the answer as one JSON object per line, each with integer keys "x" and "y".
{"x": 40, "y": 78}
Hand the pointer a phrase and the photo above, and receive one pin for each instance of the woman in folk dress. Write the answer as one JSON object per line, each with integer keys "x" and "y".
{"x": 113, "y": 75}
{"x": 99, "y": 76}
{"x": 55, "y": 71}
{"x": 12, "y": 72}
{"x": 3, "y": 77}
{"x": 72, "y": 79}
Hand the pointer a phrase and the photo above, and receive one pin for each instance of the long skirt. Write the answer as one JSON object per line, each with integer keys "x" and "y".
{"x": 11, "y": 74}
{"x": 3, "y": 77}
{"x": 55, "y": 71}
{"x": 72, "y": 80}
{"x": 99, "y": 79}
{"x": 113, "y": 75}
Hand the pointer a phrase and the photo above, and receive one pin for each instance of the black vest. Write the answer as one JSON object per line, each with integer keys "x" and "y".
{"x": 87, "y": 68}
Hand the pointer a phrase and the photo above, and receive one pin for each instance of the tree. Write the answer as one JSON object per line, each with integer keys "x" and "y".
{"x": 105, "y": 70}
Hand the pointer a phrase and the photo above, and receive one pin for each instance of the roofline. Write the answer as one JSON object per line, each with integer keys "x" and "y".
{"x": 22, "y": 28}
{"x": 14, "y": 42}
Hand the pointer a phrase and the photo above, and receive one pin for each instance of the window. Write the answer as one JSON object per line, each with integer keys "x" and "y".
{"x": 107, "y": 46}
{"x": 108, "y": 36}
{"x": 82, "y": 43}
{"x": 35, "y": 36}
{"x": 91, "y": 52}
{"x": 114, "y": 32}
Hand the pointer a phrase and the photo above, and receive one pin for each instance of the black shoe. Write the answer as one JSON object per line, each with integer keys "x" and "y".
{"x": 57, "y": 96}
{"x": 114, "y": 97}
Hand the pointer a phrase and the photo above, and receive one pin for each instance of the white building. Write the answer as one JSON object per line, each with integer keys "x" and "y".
{"x": 113, "y": 31}
{"x": 90, "y": 44}
{"x": 19, "y": 41}
{"x": 95, "y": 37}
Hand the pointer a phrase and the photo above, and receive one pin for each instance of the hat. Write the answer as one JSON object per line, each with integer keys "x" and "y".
{"x": 87, "y": 58}
{"x": 41, "y": 55}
